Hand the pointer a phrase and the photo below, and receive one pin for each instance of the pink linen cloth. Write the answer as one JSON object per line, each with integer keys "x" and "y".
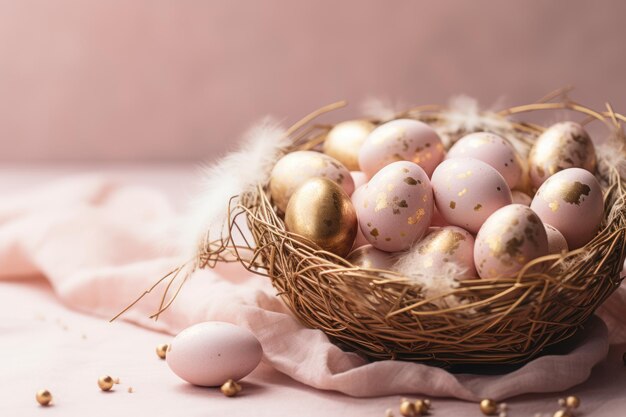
{"x": 101, "y": 244}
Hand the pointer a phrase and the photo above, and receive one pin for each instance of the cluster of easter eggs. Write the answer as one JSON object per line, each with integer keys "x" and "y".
{"x": 373, "y": 194}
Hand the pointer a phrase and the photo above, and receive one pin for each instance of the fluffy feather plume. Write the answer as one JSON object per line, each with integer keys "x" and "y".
{"x": 235, "y": 174}
{"x": 380, "y": 109}
{"x": 434, "y": 283}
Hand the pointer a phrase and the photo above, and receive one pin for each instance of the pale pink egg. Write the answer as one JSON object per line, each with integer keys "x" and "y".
{"x": 493, "y": 150}
{"x": 520, "y": 197}
{"x": 295, "y": 168}
{"x": 571, "y": 201}
{"x": 509, "y": 239}
{"x": 359, "y": 178}
{"x": 401, "y": 140}
{"x": 357, "y": 200}
{"x": 210, "y": 353}
{"x": 556, "y": 240}
{"x": 368, "y": 256}
{"x": 467, "y": 191}
{"x": 396, "y": 206}
{"x": 442, "y": 251}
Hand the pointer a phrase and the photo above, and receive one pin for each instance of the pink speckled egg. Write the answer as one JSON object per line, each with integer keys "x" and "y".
{"x": 520, "y": 197}
{"x": 368, "y": 256}
{"x": 493, "y": 150}
{"x": 401, "y": 140}
{"x": 295, "y": 168}
{"x": 571, "y": 201}
{"x": 509, "y": 238}
{"x": 396, "y": 206}
{"x": 467, "y": 191}
{"x": 556, "y": 240}
{"x": 210, "y": 353}
{"x": 359, "y": 178}
{"x": 440, "y": 248}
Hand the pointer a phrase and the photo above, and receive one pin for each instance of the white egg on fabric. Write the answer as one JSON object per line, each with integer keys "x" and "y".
{"x": 396, "y": 206}
{"x": 571, "y": 201}
{"x": 509, "y": 239}
{"x": 401, "y": 140}
{"x": 210, "y": 353}
{"x": 359, "y": 178}
{"x": 440, "y": 248}
{"x": 368, "y": 256}
{"x": 295, "y": 168}
{"x": 520, "y": 197}
{"x": 493, "y": 150}
{"x": 556, "y": 240}
{"x": 467, "y": 191}
{"x": 561, "y": 146}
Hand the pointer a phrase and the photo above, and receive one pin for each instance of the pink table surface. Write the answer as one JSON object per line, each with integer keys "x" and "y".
{"x": 45, "y": 345}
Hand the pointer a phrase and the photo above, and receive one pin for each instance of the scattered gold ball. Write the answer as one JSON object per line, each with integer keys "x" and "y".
{"x": 572, "y": 401}
{"x": 161, "y": 350}
{"x": 563, "y": 413}
{"x": 44, "y": 397}
{"x": 489, "y": 407}
{"x": 230, "y": 388}
{"x": 422, "y": 406}
{"x": 105, "y": 383}
{"x": 408, "y": 409}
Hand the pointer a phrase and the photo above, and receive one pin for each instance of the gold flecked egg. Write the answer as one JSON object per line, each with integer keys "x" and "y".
{"x": 345, "y": 139}
{"x": 295, "y": 168}
{"x": 561, "y": 146}
{"x": 322, "y": 212}
{"x": 368, "y": 256}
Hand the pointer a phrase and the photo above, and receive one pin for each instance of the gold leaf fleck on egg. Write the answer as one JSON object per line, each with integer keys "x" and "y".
{"x": 462, "y": 192}
{"x": 425, "y": 198}
{"x": 374, "y": 232}
{"x": 464, "y": 175}
{"x": 477, "y": 207}
{"x": 418, "y": 216}
{"x": 554, "y": 205}
{"x": 387, "y": 239}
{"x": 381, "y": 202}
{"x": 452, "y": 205}
{"x": 410, "y": 181}
{"x": 573, "y": 192}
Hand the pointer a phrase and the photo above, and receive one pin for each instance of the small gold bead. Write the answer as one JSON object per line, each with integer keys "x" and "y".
{"x": 572, "y": 401}
{"x": 230, "y": 388}
{"x": 105, "y": 383}
{"x": 422, "y": 406}
{"x": 44, "y": 397}
{"x": 408, "y": 409}
{"x": 489, "y": 407}
{"x": 563, "y": 413}
{"x": 161, "y": 350}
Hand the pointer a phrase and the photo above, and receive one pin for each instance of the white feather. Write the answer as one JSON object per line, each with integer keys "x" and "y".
{"x": 235, "y": 174}
{"x": 435, "y": 283}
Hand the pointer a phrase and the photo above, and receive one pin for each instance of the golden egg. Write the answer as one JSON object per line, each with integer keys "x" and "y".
{"x": 43, "y": 397}
{"x": 106, "y": 382}
{"x": 322, "y": 212}
{"x": 295, "y": 168}
{"x": 230, "y": 388}
{"x": 344, "y": 141}
{"x": 561, "y": 146}
{"x": 368, "y": 256}
{"x": 488, "y": 407}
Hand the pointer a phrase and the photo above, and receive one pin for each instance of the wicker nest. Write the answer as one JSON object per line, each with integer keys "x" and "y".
{"x": 383, "y": 315}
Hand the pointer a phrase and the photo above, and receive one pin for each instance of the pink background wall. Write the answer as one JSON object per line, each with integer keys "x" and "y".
{"x": 178, "y": 80}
